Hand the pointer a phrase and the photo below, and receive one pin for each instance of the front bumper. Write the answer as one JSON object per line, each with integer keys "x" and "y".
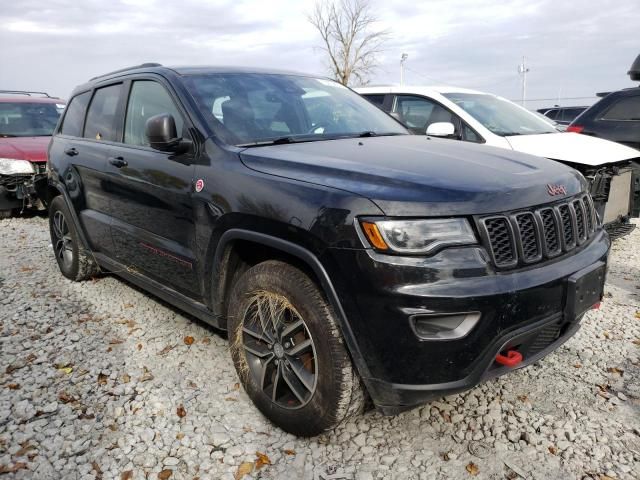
{"x": 381, "y": 293}
{"x": 19, "y": 191}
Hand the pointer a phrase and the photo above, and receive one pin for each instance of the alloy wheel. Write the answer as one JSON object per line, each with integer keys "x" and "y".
{"x": 279, "y": 349}
{"x": 62, "y": 242}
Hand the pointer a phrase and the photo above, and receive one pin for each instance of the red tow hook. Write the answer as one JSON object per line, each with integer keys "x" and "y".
{"x": 596, "y": 306}
{"x": 511, "y": 359}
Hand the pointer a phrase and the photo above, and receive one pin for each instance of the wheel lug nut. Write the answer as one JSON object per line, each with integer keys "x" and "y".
{"x": 287, "y": 345}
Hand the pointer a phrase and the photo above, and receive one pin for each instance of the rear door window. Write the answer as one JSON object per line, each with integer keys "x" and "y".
{"x": 626, "y": 108}
{"x": 101, "y": 117}
{"x": 74, "y": 116}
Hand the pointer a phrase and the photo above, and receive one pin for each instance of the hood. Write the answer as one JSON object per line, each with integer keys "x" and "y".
{"x": 573, "y": 147}
{"x": 33, "y": 149}
{"x": 417, "y": 175}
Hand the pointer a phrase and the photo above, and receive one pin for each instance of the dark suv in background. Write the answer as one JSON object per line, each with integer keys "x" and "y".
{"x": 344, "y": 257}
{"x": 562, "y": 115}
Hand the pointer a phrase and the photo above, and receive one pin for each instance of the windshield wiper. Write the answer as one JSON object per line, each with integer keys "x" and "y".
{"x": 7, "y": 135}
{"x": 278, "y": 141}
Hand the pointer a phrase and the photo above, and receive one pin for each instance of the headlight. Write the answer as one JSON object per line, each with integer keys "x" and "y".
{"x": 417, "y": 236}
{"x": 11, "y": 166}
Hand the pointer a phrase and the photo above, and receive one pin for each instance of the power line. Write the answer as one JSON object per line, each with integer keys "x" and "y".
{"x": 556, "y": 98}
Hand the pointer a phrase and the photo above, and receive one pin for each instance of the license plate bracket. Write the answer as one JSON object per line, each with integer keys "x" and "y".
{"x": 584, "y": 289}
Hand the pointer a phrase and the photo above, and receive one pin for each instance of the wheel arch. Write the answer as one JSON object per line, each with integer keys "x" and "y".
{"x": 228, "y": 265}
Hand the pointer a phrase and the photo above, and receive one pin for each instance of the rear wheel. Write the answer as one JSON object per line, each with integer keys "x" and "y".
{"x": 288, "y": 350}
{"x": 74, "y": 262}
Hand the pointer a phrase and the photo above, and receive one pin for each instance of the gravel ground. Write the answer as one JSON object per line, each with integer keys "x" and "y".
{"x": 99, "y": 380}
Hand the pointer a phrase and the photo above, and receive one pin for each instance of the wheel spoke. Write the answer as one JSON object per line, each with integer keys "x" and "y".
{"x": 292, "y": 328}
{"x": 264, "y": 322}
{"x": 257, "y": 349}
{"x": 263, "y": 370}
{"x": 294, "y": 384}
{"x": 262, "y": 336}
{"x": 296, "y": 350}
{"x": 56, "y": 225}
{"x": 276, "y": 381}
{"x": 304, "y": 375}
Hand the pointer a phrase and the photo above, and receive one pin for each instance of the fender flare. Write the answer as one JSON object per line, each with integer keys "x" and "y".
{"x": 74, "y": 217}
{"x": 309, "y": 259}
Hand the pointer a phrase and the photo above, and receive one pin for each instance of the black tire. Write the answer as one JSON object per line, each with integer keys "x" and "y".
{"x": 336, "y": 392}
{"x": 74, "y": 262}
{"x": 6, "y": 213}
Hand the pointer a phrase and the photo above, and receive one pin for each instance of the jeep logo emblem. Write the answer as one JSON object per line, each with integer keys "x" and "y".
{"x": 554, "y": 190}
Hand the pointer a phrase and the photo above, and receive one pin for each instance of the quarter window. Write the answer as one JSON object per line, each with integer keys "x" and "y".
{"x": 627, "y": 108}
{"x": 101, "y": 117}
{"x": 147, "y": 99}
{"x": 74, "y": 117}
{"x": 418, "y": 113}
{"x": 377, "y": 100}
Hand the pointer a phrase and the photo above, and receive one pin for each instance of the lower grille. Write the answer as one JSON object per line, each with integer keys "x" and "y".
{"x": 527, "y": 237}
{"x": 546, "y": 337}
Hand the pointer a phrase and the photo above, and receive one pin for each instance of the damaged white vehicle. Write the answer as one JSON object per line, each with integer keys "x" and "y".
{"x": 448, "y": 112}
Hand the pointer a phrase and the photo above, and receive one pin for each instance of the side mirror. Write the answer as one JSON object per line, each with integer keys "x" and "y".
{"x": 161, "y": 133}
{"x": 441, "y": 129}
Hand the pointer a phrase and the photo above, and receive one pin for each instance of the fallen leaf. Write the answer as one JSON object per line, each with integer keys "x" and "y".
{"x": 179, "y": 435}
{"x": 523, "y": 398}
{"x": 577, "y": 365}
{"x": 180, "y": 411}
{"x": 164, "y": 474}
{"x": 166, "y": 349}
{"x": 602, "y": 476}
{"x": 126, "y": 475}
{"x": 16, "y": 466}
{"x": 189, "y": 340}
{"x": 146, "y": 376}
{"x": 606, "y": 334}
{"x": 66, "y": 370}
{"x": 637, "y": 313}
{"x": 615, "y": 370}
{"x": 236, "y": 386}
{"x": 230, "y": 399}
{"x": 26, "y": 269}
{"x": 96, "y": 468}
{"x": 64, "y": 397}
{"x": 115, "y": 341}
{"x": 472, "y": 468}
{"x": 205, "y": 341}
{"x": 13, "y": 386}
{"x": 128, "y": 305}
{"x": 245, "y": 468}
{"x": 139, "y": 346}
{"x": 126, "y": 378}
{"x": 192, "y": 384}
{"x": 636, "y": 341}
{"x": 446, "y": 417}
{"x": 553, "y": 450}
{"x": 102, "y": 379}
{"x": 262, "y": 460}
{"x": 289, "y": 452}
{"x": 23, "y": 451}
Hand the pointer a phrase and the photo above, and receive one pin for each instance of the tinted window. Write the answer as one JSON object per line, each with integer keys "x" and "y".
{"x": 27, "y": 119}
{"x": 626, "y": 108}
{"x": 377, "y": 100}
{"x": 101, "y": 117}
{"x": 252, "y": 108}
{"x": 552, "y": 114}
{"x": 147, "y": 99}
{"x": 74, "y": 118}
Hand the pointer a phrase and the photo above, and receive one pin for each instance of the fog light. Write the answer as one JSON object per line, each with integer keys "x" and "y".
{"x": 447, "y": 326}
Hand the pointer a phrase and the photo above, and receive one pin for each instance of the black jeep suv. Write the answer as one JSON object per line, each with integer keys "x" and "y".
{"x": 344, "y": 257}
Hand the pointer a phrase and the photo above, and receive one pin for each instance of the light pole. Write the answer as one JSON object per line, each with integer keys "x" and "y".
{"x": 523, "y": 70}
{"x": 402, "y": 60}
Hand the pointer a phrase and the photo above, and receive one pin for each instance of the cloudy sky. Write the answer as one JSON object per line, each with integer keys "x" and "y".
{"x": 573, "y": 49}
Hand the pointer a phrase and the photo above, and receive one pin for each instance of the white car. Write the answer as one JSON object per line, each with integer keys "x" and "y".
{"x": 468, "y": 115}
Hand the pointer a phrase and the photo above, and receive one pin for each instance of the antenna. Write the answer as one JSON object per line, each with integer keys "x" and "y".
{"x": 523, "y": 70}
{"x": 403, "y": 58}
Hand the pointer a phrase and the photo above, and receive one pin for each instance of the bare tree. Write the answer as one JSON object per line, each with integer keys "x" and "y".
{"x": 349, "y": 40}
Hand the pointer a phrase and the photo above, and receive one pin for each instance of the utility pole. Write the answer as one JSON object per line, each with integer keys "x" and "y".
{"x": 402, "y": 60}
{"x": 523, "y": 70}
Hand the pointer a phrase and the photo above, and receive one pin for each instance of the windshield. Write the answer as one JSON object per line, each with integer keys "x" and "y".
{"x": 24, "y": 119}
{"x": 250, "y": 109}
{"x": 500, "y": 116}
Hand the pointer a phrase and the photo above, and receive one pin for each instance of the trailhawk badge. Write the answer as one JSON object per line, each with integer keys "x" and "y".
{"x": 199, "y": 185}
{"x": 556, "y": 189}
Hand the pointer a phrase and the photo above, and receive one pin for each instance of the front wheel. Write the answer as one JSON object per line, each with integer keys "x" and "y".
{"x": 288, "y": 350}
{"x": 74, "y": 262}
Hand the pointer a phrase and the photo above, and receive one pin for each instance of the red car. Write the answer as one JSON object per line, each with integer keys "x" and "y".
{"x": 27, "y": 120}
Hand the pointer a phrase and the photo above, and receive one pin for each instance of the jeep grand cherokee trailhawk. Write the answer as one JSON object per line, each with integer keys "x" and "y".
{"x": 344, "y": 257}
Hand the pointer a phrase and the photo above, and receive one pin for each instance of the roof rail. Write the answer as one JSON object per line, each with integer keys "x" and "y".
{"x": 25, "y": 92}
{"x": 142, "y": 65}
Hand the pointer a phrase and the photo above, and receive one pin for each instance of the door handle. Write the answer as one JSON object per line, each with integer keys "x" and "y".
{"x": 72, "y": 152}
{"x": 118, "y": 162}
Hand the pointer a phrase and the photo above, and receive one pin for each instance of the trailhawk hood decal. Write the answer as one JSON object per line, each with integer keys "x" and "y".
{"x": 414, "y": 175}
{"x": 573, "y": 147}
{"x": 33, "y": 149}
